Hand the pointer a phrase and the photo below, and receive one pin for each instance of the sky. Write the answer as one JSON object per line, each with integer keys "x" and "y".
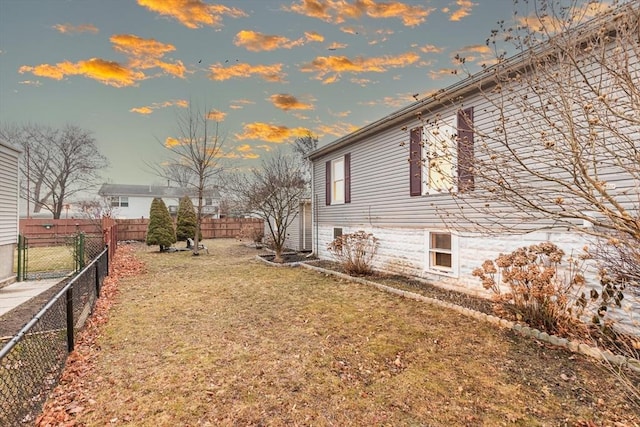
{"x": 269, "y": 71}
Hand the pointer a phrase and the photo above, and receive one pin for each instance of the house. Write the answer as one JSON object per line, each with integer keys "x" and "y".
{"x": 9, "y": 191}
{"x": 299, "y": 231}
{"x": 407, "y": 177}
{"x": 134, "y": 201}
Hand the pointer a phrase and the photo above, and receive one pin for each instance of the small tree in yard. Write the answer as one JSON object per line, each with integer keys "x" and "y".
{"x": 196, "y": 153}
{"x": 186, "y": 222}
{"x": 273, "y": 192}
{"x": 160, "y": 229}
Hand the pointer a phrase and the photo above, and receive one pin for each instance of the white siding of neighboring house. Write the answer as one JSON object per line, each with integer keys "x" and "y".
{"x": 9, "y": 158}
{"x": 139, "y": 207}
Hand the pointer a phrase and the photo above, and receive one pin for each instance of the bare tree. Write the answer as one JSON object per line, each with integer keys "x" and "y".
{"x": 556, "y": 132}
{"x": 181, "y": 175}
{"x": 196, "y": 158}
{"x": 58, "y": 163}
{"x": 303, "y": 146}
{"x": 273, "y": 192}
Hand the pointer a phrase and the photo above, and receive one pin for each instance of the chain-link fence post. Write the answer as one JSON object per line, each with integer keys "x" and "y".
{"x": 22, "y": 259}
{"x": 79, "y": 251}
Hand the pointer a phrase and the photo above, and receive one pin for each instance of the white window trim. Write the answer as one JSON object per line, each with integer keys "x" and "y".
{"x": 455, "y": 255}
{"x": 452, "y": 123}
{"x": 120, "y": 200}
{"x": 334, "y": 200}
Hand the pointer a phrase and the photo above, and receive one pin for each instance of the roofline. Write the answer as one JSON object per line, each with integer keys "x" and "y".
{"x": 11, "y": 147}
{"x": 475, "y": 82}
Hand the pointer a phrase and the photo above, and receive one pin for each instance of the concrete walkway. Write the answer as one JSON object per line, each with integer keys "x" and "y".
{"x": 17, "y": 293}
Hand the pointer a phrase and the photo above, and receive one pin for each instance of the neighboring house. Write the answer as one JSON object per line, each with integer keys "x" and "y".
{"x": 9, "y": 190}
{"x": 134, "y": 201}
{"x": 370, "y": 180}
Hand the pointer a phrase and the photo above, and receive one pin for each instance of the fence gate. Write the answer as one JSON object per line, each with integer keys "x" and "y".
{"x": 58, "y": 256}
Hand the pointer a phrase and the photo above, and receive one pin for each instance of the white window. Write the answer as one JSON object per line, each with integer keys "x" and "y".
{"x": 442, "y": 253}
{"x": 119, "y": 201}
{"x": 439, "y": 152}
{"x": 337, "y": 181}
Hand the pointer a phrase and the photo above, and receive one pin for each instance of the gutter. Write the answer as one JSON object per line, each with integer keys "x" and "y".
{"x": 482, "y": 80}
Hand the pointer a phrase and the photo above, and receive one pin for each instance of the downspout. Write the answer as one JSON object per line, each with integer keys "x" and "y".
{"x": 314, "y": 214}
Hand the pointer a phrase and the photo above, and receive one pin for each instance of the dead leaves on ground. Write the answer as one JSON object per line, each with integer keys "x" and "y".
{"x": 69, "y": 398}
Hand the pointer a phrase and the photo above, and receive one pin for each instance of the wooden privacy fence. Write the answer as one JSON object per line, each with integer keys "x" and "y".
{"x": 48, "y": 231}
{"x": 136, "y": 229}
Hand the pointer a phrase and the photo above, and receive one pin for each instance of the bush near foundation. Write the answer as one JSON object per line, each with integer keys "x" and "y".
{"x": 355, "y": 251}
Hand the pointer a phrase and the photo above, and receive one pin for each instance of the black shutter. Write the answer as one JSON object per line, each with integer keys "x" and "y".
{"x": 327, "y": 180}
{"x": 415, "y": 162}
{"x": 465, "y": 151}
{"x": 347, "y": 178}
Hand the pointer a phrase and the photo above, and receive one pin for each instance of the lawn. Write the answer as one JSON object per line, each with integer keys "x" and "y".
{"x": 49, "y": 258}
{"x": 223, "y": 339}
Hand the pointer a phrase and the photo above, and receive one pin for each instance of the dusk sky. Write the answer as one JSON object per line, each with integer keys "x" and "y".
{"x": 269, "y": 70}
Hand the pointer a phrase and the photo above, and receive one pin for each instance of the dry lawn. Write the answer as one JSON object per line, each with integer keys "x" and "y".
{"x": 222, "y": 339}
{"x": 50, "y": 258}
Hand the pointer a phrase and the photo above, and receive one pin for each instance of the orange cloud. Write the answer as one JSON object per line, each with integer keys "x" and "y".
{"x": 31, "y": 83}
{"x": 464, "y": 9}
{"x": 244, "y": 148}
{"x": 443, "y": 72}
{"x": 312, "y": 36}
{"x": 349, "y": 30}
{"x": 270, "y": 133}
{"x": 68, "y": 28}
{"x": 216, "y": 115}
{"x": 429, "y": 48}
{"x": 480, "y": 53}
{"x": 238, "y": 104}
{"x": 107, "y": 72}
{"x": 336, "y": 45}
{"x": 270, "y": 73}
{"x": 288, "y": 102}
{"x": 146, "y": 53}
{"x": 322, "y": 66}
{"x": 141, "y": 110}
{"x": 171, "y": 142}
{"x": 150, "y": 108}
{"x": 336, "y": 129}
{"x": 339, "y": 113}
{"x": 258, "y": 42}
{"x": 192, "y": 13}
{"x": 338, "y": 12}
{"x": 390, "y": 101}
{"x": 552, "y": 24}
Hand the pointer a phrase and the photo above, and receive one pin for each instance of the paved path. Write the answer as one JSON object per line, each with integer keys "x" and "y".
{"x": 17, "y": 293}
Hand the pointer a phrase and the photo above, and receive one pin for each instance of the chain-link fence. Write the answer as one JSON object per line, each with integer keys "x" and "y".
{"x": 47, "y": 257}
{"x": 31, "y": 362}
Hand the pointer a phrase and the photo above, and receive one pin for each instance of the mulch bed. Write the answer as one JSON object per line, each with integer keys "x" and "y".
{"x": 418, "y": 286}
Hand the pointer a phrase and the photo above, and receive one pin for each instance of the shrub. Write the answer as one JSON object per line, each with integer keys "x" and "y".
{"x": 160, "y": 229}
{"x": 186, "y": 223}
{"x": 355, "y": 251}
{"x": 539, "y": 294}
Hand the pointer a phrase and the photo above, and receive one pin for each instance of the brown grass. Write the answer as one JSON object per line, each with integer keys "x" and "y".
{"x": 222, "y": 339}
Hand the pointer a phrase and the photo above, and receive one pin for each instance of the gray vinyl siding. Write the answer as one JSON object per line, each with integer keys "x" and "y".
{"x": 380, "y": 183}
{"x": 8, "y": 195}
{"x": 380, "y": 174}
